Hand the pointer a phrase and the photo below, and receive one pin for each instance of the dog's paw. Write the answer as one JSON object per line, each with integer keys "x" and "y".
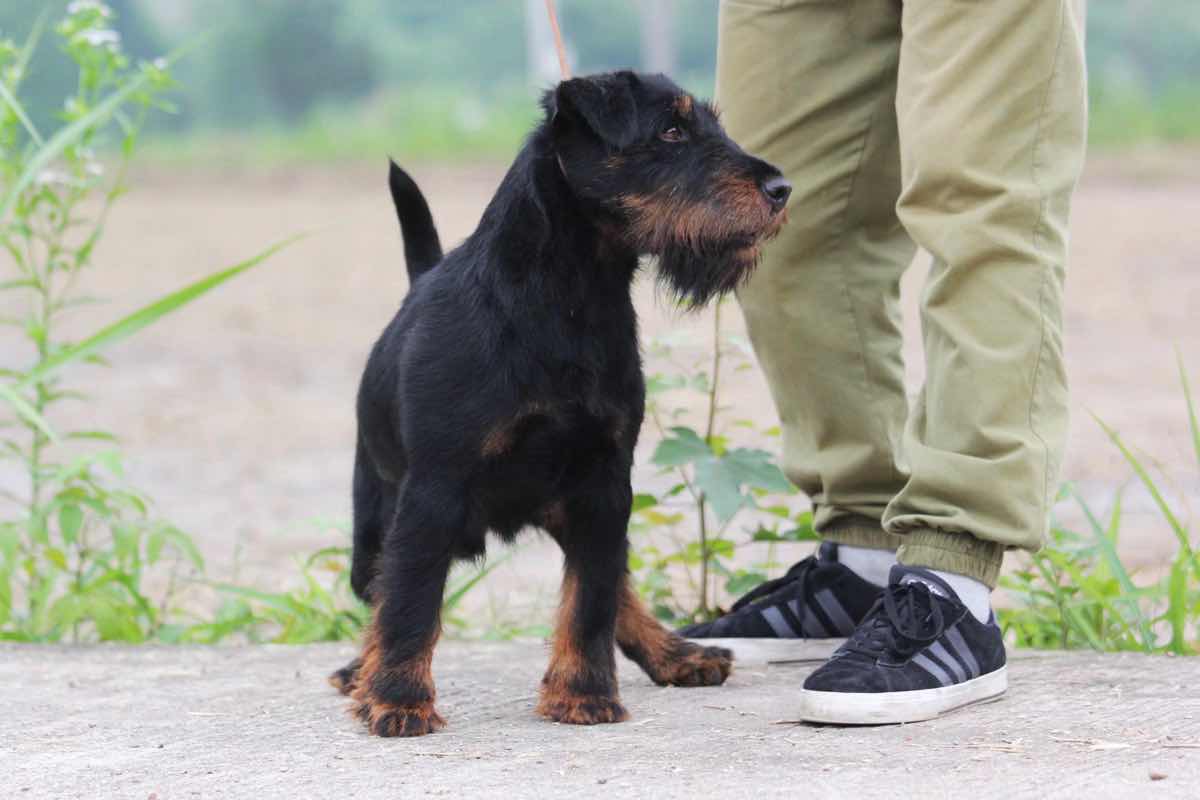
{"x": 346, "y": 678}
{"x": 698, "y": 666}
{"x": 384, "y": 719}
{"x": 581, "y": 709}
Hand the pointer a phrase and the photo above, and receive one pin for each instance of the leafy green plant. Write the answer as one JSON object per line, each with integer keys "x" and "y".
{"x": 1078, "y": 593}
{"x": 77, "y": 541}
{"x": 321, "y": 608}
{"x": 713, "y": 484}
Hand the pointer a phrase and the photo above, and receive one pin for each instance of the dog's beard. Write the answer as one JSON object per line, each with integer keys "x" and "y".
{"x": 704, "y": 250}
{"x": 695, "y": 275}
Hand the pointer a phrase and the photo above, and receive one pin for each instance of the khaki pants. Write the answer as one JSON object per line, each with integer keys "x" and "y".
{"x": 953, "y": 125}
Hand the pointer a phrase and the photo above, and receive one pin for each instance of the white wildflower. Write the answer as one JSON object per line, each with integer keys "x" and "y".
{"x": 49, "y": 176}
{"x": 79, "y": 6}
{"x": 101, "y": 38}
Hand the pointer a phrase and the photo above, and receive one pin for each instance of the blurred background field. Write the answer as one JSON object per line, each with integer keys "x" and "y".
{"x": 295, "y": 81}
{"x": 236, "y": 415}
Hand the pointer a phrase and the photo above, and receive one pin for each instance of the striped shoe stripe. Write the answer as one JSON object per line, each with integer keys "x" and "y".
{"x": 812, "y": 626}
{"x": 955, "y": 639}
{"x": 836, "y": 612}
{"x": 929, "y": 665}
{"x": 792, "y": 620}
{"x": 939, "y": 651}
{"x": 778, "y": 624}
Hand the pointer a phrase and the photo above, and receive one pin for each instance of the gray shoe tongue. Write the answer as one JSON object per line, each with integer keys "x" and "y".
{"x": 902, "y": 575}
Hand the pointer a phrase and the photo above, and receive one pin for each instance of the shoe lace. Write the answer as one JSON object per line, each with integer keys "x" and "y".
{"x": 905, "y": 619}
{"x": 797, "y": 574}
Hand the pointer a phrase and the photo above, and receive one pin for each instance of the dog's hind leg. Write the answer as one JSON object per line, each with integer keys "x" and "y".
{"x": 669, "y": 659}
{"x": 394, "y": 691}
{"x": 580, "y": 685}
{"x": 374, "y": 509}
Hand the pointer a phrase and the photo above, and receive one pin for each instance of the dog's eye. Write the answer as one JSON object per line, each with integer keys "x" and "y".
{"x": 673, "y": 134}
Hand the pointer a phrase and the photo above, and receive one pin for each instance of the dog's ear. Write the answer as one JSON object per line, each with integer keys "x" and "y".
{"x": 603, "y": 104}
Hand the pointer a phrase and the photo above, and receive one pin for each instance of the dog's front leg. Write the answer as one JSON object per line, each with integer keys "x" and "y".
{"x": 394, "y": 691}
{"x": 669, "y": 659}
{"x": 580, "y": 685}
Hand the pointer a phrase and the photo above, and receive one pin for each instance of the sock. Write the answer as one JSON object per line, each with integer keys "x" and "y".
{"x": 868, "y": 563}
{"x": 976, "y": 595}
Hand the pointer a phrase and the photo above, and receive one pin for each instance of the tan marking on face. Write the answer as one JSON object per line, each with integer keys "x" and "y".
{"x": 735, "y": 208}
{"x": 683, "y": 105}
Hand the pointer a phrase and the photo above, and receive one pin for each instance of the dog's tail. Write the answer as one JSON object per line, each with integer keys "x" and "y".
{"x": 422, "y": 249}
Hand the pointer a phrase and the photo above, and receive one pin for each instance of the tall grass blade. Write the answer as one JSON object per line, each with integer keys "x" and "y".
{"x": 1176, "y": 526}
{"x": 21, "y": 67}
{"x": 1177, "y": 606}
{"x": 1193, "y": 423}
{"x": 131, "y": 324}
{"x": 1079, "y": 621}
{"x": 460, "y": 591}
{"x": 1108, "y": 552}
{"x": 8, "y": 97}
{"x": 27, "y": 412}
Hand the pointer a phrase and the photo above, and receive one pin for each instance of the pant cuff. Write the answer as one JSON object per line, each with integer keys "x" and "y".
{"x": 859, "y": 531}
{"x": 960, "y": 553}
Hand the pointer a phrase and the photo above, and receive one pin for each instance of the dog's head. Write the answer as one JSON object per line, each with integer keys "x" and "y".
{"x": 658, "y": 165}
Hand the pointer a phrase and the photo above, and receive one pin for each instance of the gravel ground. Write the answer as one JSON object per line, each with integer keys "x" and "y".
{"x": 260, "y": 722}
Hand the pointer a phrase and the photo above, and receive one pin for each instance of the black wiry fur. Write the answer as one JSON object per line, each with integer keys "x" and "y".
{"x": 507, "y": 392}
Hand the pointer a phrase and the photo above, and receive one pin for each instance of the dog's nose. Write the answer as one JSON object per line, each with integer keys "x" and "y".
{"x": 777, "y": 190}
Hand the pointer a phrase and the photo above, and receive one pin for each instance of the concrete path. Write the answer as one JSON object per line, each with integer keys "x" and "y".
{"x": 260, "y": 722}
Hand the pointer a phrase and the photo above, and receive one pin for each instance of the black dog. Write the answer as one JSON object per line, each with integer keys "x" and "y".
{"x": 508, "y": 392}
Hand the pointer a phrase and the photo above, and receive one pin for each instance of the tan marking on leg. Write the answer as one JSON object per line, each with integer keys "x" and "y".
{"x": 501, "y": 438}
{"x": 497, "y": 441}
{"x": 389, "y": 719}
{"x": 665, "y": 656}
{"x": 558, "y": 701}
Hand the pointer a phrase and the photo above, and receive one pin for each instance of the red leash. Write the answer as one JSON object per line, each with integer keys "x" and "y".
{"x": 558, "y": 42}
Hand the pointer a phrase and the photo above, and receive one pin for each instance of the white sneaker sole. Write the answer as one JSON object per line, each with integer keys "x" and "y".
{"x": 890, "y": 708}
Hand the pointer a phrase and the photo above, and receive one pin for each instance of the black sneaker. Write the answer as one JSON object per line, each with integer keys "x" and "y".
{"x": 918, "y": 654}
{"x": 818, "y": 598}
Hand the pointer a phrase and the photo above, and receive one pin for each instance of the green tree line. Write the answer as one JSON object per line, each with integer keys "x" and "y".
{"x": 272, "y": 62}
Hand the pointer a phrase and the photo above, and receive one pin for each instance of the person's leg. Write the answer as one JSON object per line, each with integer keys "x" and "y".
{"x": 992, "y": 117}
{"x": 991, "y": 109}
{"x": 811, "y": 86}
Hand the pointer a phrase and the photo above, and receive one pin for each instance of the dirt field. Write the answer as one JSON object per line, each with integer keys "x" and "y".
{"x": 237, "y": 413}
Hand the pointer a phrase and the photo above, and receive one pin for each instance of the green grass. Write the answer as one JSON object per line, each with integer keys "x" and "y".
{"x": 420, "y": 125}
{"x": 1122, "y": 118}
{"x": 1077, "y": 592}
{"x": 434, "y": 124}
